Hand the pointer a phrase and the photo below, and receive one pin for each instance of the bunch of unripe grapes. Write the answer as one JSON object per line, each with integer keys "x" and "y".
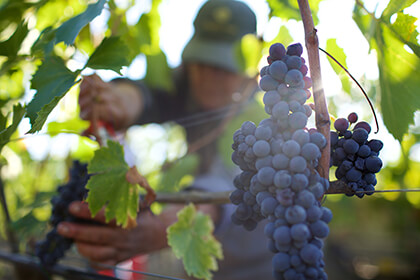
{"x": 356, "y": 157}
{"x": 279, "y": 182}
{"x": 54, "y": 246}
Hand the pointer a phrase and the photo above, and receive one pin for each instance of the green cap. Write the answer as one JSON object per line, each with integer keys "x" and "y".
{"x": 219, "y": 25}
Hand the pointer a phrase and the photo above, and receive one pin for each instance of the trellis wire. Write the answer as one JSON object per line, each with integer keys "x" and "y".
{"x": 223, "y": 197}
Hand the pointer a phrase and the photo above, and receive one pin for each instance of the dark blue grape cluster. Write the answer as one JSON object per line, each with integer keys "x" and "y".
{"x": 356, "y": 157}
{"x": 279, "y": 182}
{"x": 54, "y": 246}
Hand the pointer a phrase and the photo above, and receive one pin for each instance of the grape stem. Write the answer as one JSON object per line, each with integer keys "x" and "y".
{"x": 322, "y": 117}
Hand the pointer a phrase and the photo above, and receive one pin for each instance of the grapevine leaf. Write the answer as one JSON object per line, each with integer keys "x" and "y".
{"x": 111, "y": 54}
{"x": 68, "y": 31}
{"x": 289, "y": 9}
{"x": 109, "y": 187}
{"x": 5, "y": 134}
{"x": 11, "y": 83}
{"x": 405, "y": 30}
{"x": 147, "y": 30}
{"x": 45, "y": 41}
{"x": 158, "y": 73}
{"x": 248, "y": 54}
{"x": 52, "y": 80}
{"x": 338, "y": 53}
{"x": 74, "y": 125}
{"x": 395, "y": 6}
{"x": 399, "y": 82}
{"x": 28, "y": 226}
{"x": 282, "y": 36}
{"x": 399, "y": 77}
{"x": 172, "y": 177}
{"x": 364, "y": 21}
{"x": 11, "y": 46}
{"x": 191, "y": 239}
{"x": 13, "y": 11}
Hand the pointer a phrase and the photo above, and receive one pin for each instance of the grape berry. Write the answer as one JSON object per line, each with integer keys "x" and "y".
{"x": 279, "y": 181}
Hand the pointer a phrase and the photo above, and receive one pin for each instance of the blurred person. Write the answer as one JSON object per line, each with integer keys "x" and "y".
{"x": 207, "y": 81}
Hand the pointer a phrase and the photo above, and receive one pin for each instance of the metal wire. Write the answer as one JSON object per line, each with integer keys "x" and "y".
{"x": 385, "y": 191}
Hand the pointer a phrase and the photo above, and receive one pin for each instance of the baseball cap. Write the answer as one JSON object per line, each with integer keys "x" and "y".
{"x": 219, "y": 25}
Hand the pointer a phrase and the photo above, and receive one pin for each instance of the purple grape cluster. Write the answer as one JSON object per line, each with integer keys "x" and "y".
{"x": 279, "y": 182}
{"x": 356, "y": 157}
{"x": 54, "y": 246}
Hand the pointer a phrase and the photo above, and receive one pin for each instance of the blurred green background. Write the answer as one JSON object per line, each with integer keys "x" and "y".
{"x": 377, "y": 237}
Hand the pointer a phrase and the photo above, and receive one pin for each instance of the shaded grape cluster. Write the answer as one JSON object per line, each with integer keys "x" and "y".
{"x": 356, "y": 157}
{"x": 54, "y": 246}
{"x": 278, "y": 179}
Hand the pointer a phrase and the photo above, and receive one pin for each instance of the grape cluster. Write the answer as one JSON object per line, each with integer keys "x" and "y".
{"x": 53, "y": 247}
{"x": 356, "y": 157}
{"x": 279, "y": 181}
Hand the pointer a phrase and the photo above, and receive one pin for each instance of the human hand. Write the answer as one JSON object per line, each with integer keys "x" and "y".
{"x": 109, "y": 244}
{"x": 119, "y": 104}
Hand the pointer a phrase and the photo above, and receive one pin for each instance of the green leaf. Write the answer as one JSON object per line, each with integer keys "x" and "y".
{"x": 405, "y": 30}
{"x": 399, "y": 78}
{"x": 54, "y": 13}
{"x": 13, "y": 11}
{"x": 364, "y": 21}
{"x": 171, "y": 177}
{"x": 283, "y": 37}
{"x": 12, "y": 84}
{"x": 158, "y": 73}
{"x": 111, "y": 54}
{"x": 108, "y": 185}
{"x": 395, "y": 6}
{"x": 146, "y": 31}
{"x": 191, "y": 239}
{"x": 74, "y": 125}
{"x": 68, "y": 31}
{"x": 11, "y": 46}
{"x": 28, "y": 226}
{"x": 399, "y": 75}
{"x": 18, "y": 113}
{"x": 45, "y": 42}
{"x": 52, "y": 80}
{"x": 340, "y": 56}
{"x": 289, "y": 9}
{"x": 248, "y": 54}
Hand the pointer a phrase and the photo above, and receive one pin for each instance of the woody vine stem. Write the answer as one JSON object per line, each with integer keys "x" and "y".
{"x": 322, "y": 117}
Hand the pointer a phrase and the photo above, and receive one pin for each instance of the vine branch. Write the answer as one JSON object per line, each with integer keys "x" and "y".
{"x": 322, "y": 117}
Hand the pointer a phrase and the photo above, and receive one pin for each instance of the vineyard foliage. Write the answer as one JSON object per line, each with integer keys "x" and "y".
{"x": 45, "y": 46}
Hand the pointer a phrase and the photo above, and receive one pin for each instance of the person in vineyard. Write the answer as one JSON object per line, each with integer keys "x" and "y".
{"x": 209, "y": 80}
